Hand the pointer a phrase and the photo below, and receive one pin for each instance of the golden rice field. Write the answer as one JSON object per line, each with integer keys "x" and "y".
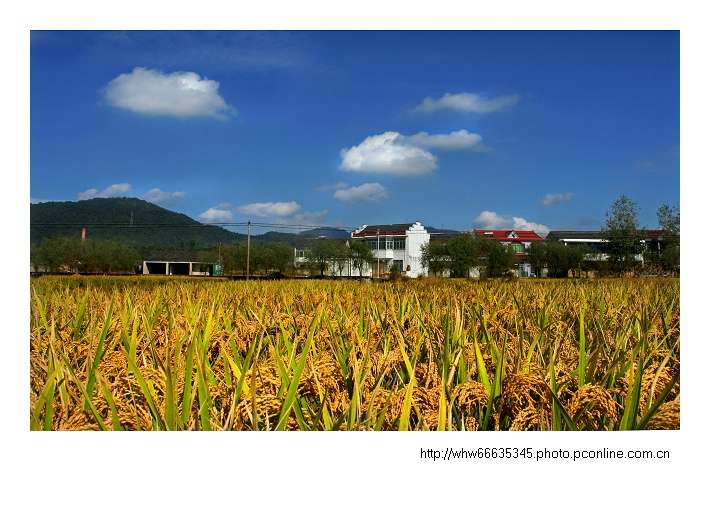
{"x": 167, "y": 353}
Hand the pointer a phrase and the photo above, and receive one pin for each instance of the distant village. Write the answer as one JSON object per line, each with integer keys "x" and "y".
{"x": 407, "y": 250}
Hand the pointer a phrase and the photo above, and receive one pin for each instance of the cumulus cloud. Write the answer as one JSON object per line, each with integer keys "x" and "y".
{"x": 466, "y": 102}
{"x": 219, "y": 214}
{"x": 166, "y": 199}
{"x": 388, "y": 153}
{"x": 365, "y": 193}
{"x": 492, "y": 221}
{"x": 456, "y": 140}
{"x": 115, "y": 190}
{"x": 551, "y": 199}
{"x": 267, "y": 210}
{"x": 396, "y": 154}
{"x": 180, "y": 94}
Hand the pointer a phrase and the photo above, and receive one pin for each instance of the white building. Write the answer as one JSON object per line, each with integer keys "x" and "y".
{"x": 337, "y": 266}
{"x": 398, "y": 245}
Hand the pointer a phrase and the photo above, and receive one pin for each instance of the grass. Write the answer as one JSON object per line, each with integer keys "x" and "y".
{"x": 178, "y": 354}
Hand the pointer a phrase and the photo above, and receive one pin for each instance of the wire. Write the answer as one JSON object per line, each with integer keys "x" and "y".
{"x": 185, "y": 225}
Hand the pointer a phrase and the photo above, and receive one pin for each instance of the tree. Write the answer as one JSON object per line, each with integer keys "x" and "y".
{"x": 72, "y": 250}
{"x": 341, "y": 258}
{"x": 50, "y": 254}
{"x": 561, "y": 259}
{"x": 669, "y": 223}
{"x": 319, "y": 254}
{"x": 361, "y": 254}
{"x": 493, "y": 259}
{"x": 239, "y": 257}
{"x": 262, "y": 257}
{"x": 226, "y": 256}
{"x": 623, "y": 241}
{"x": 462, "y": 251}
{"x": 435, "y": 257}
{"x": 282, "y": 255}
{"x": 537, "y": 254}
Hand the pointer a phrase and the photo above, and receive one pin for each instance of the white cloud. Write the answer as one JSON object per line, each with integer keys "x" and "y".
{"x": 388, "y": 153}
{"x": 218, "y": 214}
{"x": 180, "y": 94}
{"x": 456, "y": 140}
{"x": 467, "y": 102}
{"x": 551, "y": 199}
{"x": 492, "y": 221}
{"x": 166, "y": 199}
{"x": 366, "y": 193}
{"x": 396, "y": 154}
{"x": 115, "y": 190}
{"x": 266, "y": 210}
{"x": 88, "y": 194}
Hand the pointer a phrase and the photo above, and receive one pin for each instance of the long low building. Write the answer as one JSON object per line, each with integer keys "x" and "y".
{"x": 189, "y": 263}
{"x": 649, "y": 239}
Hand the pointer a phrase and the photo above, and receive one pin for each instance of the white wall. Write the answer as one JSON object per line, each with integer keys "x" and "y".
{"x": 416, "y": 237}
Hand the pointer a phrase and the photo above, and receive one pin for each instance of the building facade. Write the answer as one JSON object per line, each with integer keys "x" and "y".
{"x": 338, "y": 266}
{"x": 649, "y": 240}
{"x": 189, "y": 263}
{"x": 519, "y": 241}
{"x": 396, "y": 247}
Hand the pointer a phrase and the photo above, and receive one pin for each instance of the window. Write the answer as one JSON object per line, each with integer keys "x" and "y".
{"x": 399, "y": 243}
{"x": 389, "y": 243}
{"x": 518, "y": 247}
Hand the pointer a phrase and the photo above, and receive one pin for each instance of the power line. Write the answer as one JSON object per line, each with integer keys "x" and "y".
{"x": 182, "y": 225}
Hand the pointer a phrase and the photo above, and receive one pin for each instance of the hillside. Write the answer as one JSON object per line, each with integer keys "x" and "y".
{"x": 138, "y": 223}
{"x": 130, "y": 221}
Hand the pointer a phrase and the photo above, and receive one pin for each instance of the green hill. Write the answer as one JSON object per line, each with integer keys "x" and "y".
{"x": 132, "y": 222}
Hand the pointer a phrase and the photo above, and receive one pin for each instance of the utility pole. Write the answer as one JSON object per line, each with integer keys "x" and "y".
{"x": 248, "y": 245}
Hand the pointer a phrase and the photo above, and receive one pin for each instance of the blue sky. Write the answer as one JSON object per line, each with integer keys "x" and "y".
{"x": 538, "y": 130}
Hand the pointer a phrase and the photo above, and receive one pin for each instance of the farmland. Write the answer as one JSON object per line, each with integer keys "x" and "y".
{"x": 130, "y": 353}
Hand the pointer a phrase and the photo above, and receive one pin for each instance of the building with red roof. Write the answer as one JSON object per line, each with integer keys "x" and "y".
{"x": 519, "y": 240}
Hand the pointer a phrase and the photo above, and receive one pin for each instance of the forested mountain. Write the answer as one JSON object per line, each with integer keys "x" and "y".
{"x": 141, "y": 224}
{"x": 133, "y": 222}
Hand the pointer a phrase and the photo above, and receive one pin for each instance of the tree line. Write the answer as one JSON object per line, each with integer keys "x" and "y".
{"x": 320, "y": 258}
{"x": 72, "y": 255}
{"x": 456, "y": 257}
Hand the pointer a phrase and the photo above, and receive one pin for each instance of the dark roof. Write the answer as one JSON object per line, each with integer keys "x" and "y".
{"x": 450, "y": 232}
{"x": 176, "y": 256}
{"x": 441, "y": 237}
{"x": 398, "y": 229}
